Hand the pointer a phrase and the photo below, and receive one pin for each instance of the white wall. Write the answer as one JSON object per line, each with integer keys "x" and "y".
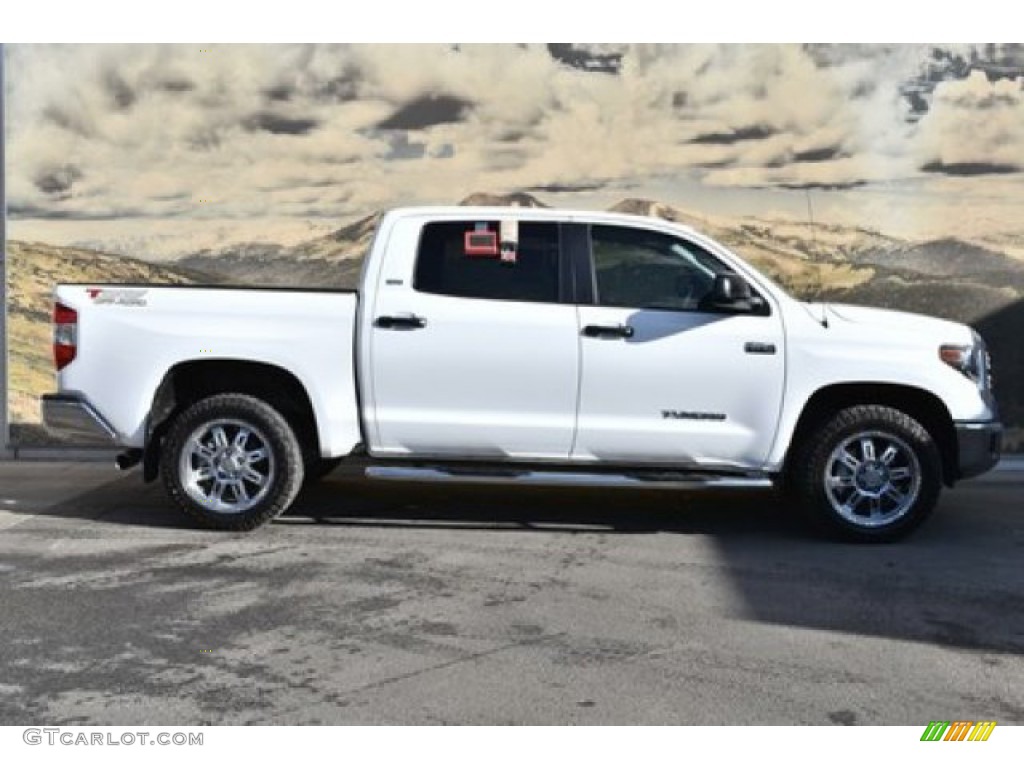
{"x": 4, "y": 426}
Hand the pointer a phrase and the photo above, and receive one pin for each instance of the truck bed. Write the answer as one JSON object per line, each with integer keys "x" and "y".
{"x": 131, "y": 336}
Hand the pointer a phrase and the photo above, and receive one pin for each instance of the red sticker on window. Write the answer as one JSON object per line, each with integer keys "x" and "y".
{"x": 481, "y": 243}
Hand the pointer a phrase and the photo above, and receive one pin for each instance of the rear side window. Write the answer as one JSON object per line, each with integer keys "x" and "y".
{"x": 485, "y": 260}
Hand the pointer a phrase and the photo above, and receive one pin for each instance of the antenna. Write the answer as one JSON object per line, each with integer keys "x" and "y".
{"x": 810, "y": 216}
{"x": 814, "y": 249}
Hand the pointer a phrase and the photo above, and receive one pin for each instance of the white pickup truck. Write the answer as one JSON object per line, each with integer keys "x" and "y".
{"x": 516, "y": 345}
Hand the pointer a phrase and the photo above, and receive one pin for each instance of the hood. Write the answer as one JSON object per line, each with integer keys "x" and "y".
{"x": 897, "y": 322}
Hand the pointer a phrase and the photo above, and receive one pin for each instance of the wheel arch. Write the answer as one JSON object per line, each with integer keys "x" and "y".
{"x": 920, "y": 404}
{"x": 189, "y": 381}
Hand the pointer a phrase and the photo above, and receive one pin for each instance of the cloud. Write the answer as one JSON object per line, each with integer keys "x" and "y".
{"x": 818, "y": 154}
{"x": 57, "y": 182}
{"x": 173, "y": 84}
{"x": 562, "y": 188}
{"x": 245, "y": 132}
{"x": 274, "y": 123}
{"x": 841, "y": 173}
{"x": 426, "y": 111}
{"x": 975, "y": 126}
{"x": 969, "y": 169}
{"x": 734, "y": 136}
{"x": 586, "y": 58}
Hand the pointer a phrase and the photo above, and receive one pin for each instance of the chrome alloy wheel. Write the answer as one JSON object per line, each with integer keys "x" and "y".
{"x": 872, "y": 479}
{"x": 226, "y": 466}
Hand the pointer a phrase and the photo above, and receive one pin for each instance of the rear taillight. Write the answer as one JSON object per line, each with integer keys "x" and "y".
{"x": 65, "y": 335}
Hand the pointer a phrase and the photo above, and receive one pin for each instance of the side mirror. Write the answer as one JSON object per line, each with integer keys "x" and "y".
{"x": 731, "y": 293}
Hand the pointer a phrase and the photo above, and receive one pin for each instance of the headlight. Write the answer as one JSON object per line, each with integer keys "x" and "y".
{"x": 971, "y": 360}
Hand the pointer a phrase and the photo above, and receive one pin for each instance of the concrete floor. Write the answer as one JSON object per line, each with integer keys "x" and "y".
{"x": 416, "y": 604}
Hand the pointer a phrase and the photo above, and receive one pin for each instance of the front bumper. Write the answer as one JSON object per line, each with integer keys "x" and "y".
{"x": 73, "y": 420}
{"x": 979, "y": 444}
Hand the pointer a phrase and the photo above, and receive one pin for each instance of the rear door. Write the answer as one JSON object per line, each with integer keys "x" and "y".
{"x": 478, "y": 357}
{"x": 666, "y": 380}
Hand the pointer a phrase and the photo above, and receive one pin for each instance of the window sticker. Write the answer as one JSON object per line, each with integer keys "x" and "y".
{"x": 481, "y": 241}
{"x": 509, "y": 241}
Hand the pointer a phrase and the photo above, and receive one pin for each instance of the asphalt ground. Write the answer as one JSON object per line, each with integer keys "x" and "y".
{"x": 411, "y": 604}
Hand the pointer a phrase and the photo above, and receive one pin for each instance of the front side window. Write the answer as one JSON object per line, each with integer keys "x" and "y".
{"x": 642, "y": 269}
{"x": 489, "y": 260}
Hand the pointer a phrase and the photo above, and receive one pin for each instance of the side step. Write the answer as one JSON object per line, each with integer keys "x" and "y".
{"x": 532, "y": 477}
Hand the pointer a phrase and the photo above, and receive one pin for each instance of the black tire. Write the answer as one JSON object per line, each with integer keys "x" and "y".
{"x": 846, "y": 487}
{"x": 232, "y": 460}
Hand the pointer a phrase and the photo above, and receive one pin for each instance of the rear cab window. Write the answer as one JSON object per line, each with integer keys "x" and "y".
{"x": 498, "y": 260}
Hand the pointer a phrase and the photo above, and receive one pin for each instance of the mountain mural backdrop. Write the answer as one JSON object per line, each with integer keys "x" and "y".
{"x": 885, "y": 175}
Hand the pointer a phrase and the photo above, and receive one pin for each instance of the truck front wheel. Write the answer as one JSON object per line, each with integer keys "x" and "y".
{"x": 870, "y": 473}
{"x": 232, "y": 462}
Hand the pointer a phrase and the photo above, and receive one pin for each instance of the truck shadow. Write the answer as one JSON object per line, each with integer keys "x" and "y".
{"x": 955, "y": 583}
{"x": 340, "y": 501}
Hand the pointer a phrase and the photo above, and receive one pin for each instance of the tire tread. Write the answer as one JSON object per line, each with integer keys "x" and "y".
{"x": 808, "y": 468}
{"x": 289, "y": 460}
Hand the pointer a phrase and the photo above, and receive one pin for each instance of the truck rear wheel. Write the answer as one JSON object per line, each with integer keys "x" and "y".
{"x": 870, "y": 473}
{"x": 232, "y": 462}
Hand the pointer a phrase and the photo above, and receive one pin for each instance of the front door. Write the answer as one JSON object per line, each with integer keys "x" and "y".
{"x": 665, "y": 379}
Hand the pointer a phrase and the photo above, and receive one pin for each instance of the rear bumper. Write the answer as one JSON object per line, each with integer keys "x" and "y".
{"x": 979, "y": 444}
{"x": 72, "y": 419}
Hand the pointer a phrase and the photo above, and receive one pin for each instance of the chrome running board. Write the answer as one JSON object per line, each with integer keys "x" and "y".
{"x": 513, "y": 476}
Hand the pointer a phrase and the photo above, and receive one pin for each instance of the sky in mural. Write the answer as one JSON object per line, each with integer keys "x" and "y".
{"x": 166, "y": 148}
